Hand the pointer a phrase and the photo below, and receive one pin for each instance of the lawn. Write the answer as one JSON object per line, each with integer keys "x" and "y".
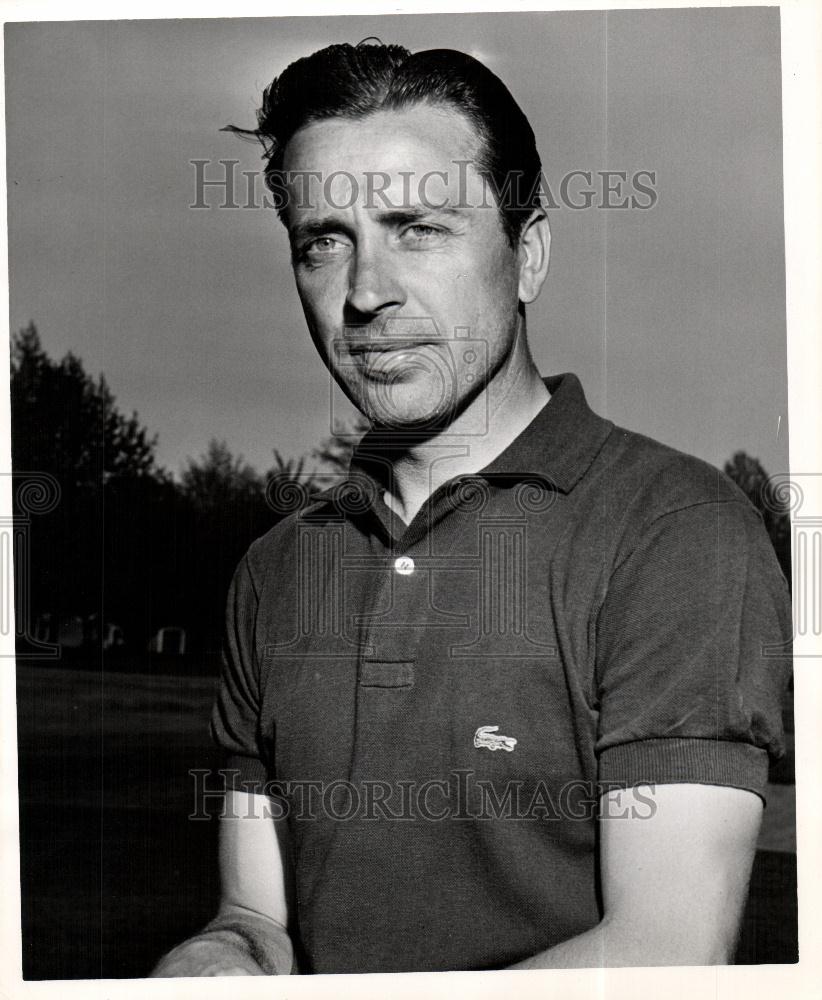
{"x": 112, "y": 870}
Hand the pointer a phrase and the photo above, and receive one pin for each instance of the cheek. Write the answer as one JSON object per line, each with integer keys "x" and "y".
{"x": 317, "y": 320}
{"x": 323, "y": 286}
{"x": 489, "y": 284}
{"x": 487, "y": 298}
{"x": 311, "y": 293}
{"x": 320, "y": 304}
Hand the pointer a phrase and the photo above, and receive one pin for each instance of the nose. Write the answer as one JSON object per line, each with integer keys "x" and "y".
{"x": 374, "y": 284}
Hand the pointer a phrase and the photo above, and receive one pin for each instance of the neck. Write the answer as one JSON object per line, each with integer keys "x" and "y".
{"x": 498, "y": 415}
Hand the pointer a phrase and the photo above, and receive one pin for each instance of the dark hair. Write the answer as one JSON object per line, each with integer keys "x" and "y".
{"x": 348, "y": 81}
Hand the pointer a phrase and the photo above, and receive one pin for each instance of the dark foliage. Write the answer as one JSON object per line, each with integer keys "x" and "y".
{"x": 67, "y": 423}
{"x": 126, "y": 544}
{"x": 768, "y": 499}
{"x": 335, "y": 451}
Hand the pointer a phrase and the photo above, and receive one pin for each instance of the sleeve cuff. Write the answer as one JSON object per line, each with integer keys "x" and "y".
{"x": 245, "y": 774}
{"x": 678, "y": 761}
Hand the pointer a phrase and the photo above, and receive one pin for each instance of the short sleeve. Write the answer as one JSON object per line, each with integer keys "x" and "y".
{"x": 693, "y": 653}
{"x": 235, "y": 717}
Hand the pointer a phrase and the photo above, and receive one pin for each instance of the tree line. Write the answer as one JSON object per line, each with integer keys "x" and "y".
{"x": 127, "y": 543}
{"x": 130, "y": 544}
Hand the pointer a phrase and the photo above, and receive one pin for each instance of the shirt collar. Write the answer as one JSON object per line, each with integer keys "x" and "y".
{"x": 561, "y": 441}
{"x": 559, "y": 445}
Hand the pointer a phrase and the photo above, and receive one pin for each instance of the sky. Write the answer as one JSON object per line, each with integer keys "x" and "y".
{"x": 673, "y": 317}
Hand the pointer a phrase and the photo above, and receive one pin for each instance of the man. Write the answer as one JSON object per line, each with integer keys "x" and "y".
{"x": 507, "y": 696}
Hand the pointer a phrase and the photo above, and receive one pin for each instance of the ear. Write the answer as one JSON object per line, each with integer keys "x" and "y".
{"x": 534, "y": 253}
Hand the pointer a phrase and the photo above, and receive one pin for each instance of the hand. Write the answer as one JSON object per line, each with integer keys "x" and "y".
{"x": 206, "y": 956}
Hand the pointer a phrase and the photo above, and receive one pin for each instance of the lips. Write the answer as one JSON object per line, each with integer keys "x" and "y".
{"x": 393, "y": 360}
{"x": 386, "y": 346}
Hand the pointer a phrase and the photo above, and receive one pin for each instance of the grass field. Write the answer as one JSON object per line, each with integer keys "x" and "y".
{"x": 112, "y": 870}
{"x": 113, "y": 873}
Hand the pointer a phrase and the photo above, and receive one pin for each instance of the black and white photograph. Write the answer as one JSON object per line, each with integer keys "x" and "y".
{"x": 411, "y": 536}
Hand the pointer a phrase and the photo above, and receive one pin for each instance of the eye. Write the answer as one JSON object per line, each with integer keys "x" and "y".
{"x": 323, "y": 244}
{"x": 421, "y": 234}
{"x": 321, "y": 248}
{"x": 421, "y": 231}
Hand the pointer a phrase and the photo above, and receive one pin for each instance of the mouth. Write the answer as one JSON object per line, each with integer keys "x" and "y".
{"x": 378, "y": 347}
{"x": 392, "y": 360}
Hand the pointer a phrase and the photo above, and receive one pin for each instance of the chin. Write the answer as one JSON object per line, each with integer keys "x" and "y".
{"x": 413, "y": 414}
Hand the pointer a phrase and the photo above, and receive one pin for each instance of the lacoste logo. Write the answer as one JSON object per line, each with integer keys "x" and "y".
{"x": 486, "y": 736}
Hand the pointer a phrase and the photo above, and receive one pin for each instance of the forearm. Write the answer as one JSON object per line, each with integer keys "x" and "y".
{"x": 673, "y": 885}
{"x": 236, "y": 942}
{"x": 613, "y": 944}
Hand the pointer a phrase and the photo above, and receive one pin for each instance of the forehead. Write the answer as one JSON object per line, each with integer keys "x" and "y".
{"x": 412, "y": 140}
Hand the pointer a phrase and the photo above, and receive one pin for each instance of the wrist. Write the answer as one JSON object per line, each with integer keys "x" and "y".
{"x": 266, "y": 941}
{"x": 219, "y": 954}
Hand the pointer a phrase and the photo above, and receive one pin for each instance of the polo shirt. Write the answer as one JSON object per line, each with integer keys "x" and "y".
{"x": 436, "y": 707}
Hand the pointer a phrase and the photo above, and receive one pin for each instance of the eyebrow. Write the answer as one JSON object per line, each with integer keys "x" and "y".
{"x": 398, "y": 216}
{"x": 317, "y": 227}
{"x": 389, "y": 217}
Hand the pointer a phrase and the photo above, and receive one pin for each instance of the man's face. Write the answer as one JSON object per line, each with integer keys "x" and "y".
{"x": 409, "y": 285}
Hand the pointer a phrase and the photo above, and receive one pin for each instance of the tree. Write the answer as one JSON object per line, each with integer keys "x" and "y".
{"x": 232, "y": 505}
{"x": 219, "y": 479}
{"x": 335, "y": 451}
{"x": 288, "y": 487}
{"x": 127, "y": 543}
{"x": 758, "y": 487}
{"x": 67, "y": 423}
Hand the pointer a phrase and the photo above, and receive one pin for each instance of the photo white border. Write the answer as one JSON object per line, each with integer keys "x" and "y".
{"x": 802, "y": 141}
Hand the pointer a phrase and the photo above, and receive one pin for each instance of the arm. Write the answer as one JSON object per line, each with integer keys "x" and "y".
{"x": 674, "y": 883}
{"x": 248, "y": 936}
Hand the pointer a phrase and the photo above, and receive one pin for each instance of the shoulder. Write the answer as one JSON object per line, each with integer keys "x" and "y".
{"x": 653, "y": 479}
{"x": 642, "y": 488}
{"x": 276, "y": 550}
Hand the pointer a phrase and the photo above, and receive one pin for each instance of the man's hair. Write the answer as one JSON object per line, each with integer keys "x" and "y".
{"x": 354, "y": 81}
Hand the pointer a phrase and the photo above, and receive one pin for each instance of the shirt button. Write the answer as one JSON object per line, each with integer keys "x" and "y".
{"x": 404, "y": 565}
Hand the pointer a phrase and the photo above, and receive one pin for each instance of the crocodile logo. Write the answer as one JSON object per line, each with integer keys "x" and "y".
{"x": 487, "y": 736}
